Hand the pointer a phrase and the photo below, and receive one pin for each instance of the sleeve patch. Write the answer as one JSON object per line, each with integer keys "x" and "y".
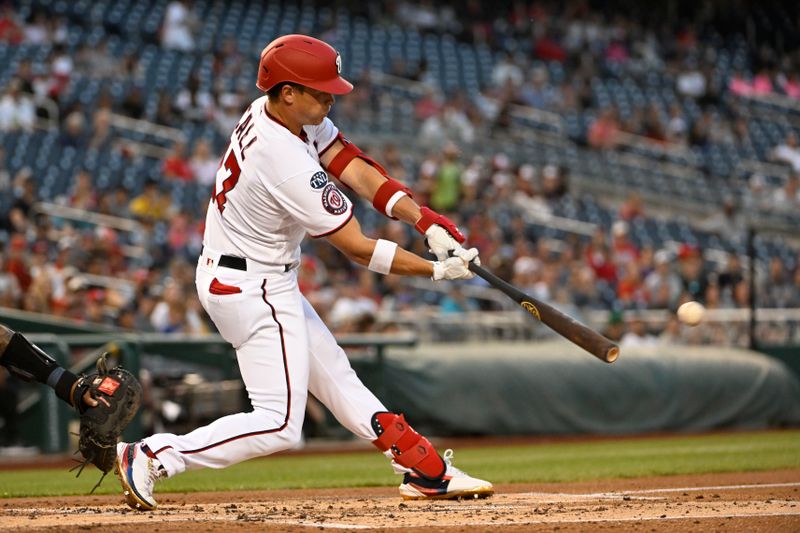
{"x": 333, "y": 200}
{"x": 319, "y": 180}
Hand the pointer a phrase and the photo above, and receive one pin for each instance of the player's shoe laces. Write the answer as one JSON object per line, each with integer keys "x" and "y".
{"x": 138, "y": 473}
{"x": 454, "y": 484}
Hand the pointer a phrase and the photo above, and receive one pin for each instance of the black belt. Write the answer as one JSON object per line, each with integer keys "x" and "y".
{"x": 229, "y": 261}
{"x": 240, "y": 263}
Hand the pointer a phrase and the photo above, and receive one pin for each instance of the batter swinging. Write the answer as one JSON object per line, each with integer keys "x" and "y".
{"x": 271, "y": 190}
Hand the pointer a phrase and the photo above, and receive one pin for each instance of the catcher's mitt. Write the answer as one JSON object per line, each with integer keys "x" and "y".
{"x": 118, "y": 394}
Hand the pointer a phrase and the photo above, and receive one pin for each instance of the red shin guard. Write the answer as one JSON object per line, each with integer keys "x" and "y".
{"x": 409, "y": 448}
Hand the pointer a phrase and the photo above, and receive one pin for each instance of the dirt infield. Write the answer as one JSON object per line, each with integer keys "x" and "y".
{"x": 758, "y": 501}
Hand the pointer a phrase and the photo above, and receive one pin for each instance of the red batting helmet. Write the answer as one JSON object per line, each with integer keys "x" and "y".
{"x": 303, "y": 60}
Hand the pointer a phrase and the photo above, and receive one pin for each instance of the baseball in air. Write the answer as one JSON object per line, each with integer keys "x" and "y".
{"x": 691, "y": 313}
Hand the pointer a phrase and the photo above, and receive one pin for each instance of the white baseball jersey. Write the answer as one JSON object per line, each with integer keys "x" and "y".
{"x": 271, "y": 190}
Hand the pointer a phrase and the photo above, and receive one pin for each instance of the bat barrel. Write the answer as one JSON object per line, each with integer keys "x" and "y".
{"x": 566, "y": 326}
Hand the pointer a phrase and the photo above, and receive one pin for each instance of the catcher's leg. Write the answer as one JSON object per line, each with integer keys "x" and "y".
{"x": 29, "y": 363}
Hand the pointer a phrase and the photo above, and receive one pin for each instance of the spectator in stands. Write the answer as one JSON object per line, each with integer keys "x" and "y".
{"x": 18, "y": 219}
{"x": 83, "y": 194}
{"x": 662, "y": 286}
{"x": 176, "y": 166}
{"x": 39, "y": 295}
{"x": 730, "y": 276}
{"x": 172, "y": 314}
{"x": 730, "y": 222}
{"x": 17, "y": 112}
{"x": 429, "y": 104}
{"x": 741, "y": 132}
{"x": 632, "y": 207}
{"x": 101, "y": 65}
{"x": 450, "y": 123}
{"x": 671, "y": 334}
{"x": 739, "y": 84}
{"x": 132, "y": 70}
{"x": 133, "y": 104}
{"x": 548, "y": 48}
{"x": 555, "y": 182}
{"x": 758, "y": 194}
{"x": 36, "y": 29}
{"x": 114, "y": 202}
{"x": 203, "y": 163}
{"x": 75, "y": 134}
{"x": 165, "y": 114}
{"x": 615, "y": 329}
{"x": 194, "y": 103}
{"x": 691, "y": 82}
{"x": 179, "y": 26}
{"x": 787, "y": 198}
{"x": 152, "y": 204}
{"x": 536, "y": 92}
{"x": 652, "y": 127}
{"x": 447, "y": 188}
{"x": 778, "y": 289}
{"x": 638, "y": 334}
{"x": 700, "y": 134}
{"x": 694, "y": 278}
{"x": 741, "y": 295}
{"x": 10, "y": 290}
{"x": 228, "y": 114}
{"x": 11, "y": 30}
{"x": 29, "y": 83}
{"x": 623, "y": 250}
{"x": 17, "y": 261}
{"x": 604, "y": 131}
{"x": 507, "y": 73}
{"x": 762, "y": 83}
{"x": 102, "y": 134}
{"x": 228, "y": 60}
{"x": 631, "y": 293}
{"x": 788, "y": 152}
{"x": 598, "y": 256}
{"x": 790, "y": 85}
{"x": 677, "y": 129}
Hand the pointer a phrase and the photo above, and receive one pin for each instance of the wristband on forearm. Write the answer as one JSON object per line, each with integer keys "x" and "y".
{"x": 382, "y": 256}
{"x": 388, "y": 194}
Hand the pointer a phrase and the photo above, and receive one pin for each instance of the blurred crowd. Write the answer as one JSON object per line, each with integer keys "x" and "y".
{"x": 142, "y": 279}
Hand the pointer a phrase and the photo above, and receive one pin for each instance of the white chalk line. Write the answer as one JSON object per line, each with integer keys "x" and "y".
{"x": 658, "y": 491}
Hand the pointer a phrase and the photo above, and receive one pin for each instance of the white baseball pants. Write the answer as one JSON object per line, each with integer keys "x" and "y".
{"x": 284, "y": 350}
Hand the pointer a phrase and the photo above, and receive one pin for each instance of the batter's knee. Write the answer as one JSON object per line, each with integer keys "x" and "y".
{"x": 283, "y": 437}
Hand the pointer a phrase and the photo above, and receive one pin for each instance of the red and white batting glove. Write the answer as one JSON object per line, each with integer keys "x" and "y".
{"x": 440, "y": 232}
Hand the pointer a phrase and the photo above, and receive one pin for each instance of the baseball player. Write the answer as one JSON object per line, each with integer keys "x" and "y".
{"x": 106, "y": 399}
{"x": 28, "y": 362}
{"x": 273, "y": 188}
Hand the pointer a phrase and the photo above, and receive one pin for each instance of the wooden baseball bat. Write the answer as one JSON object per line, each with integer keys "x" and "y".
{"x": 569, "y": 328}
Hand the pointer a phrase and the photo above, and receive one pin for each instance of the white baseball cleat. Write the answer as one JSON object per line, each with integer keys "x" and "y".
{"x": 454, "y": 484}
{"x": 138, "y": 473}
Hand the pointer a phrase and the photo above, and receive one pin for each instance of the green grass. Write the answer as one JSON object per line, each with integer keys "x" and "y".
{"x": 550, "y": 462}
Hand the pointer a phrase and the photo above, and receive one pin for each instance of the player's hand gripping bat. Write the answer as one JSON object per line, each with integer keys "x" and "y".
{"x": 569, "y": 328}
